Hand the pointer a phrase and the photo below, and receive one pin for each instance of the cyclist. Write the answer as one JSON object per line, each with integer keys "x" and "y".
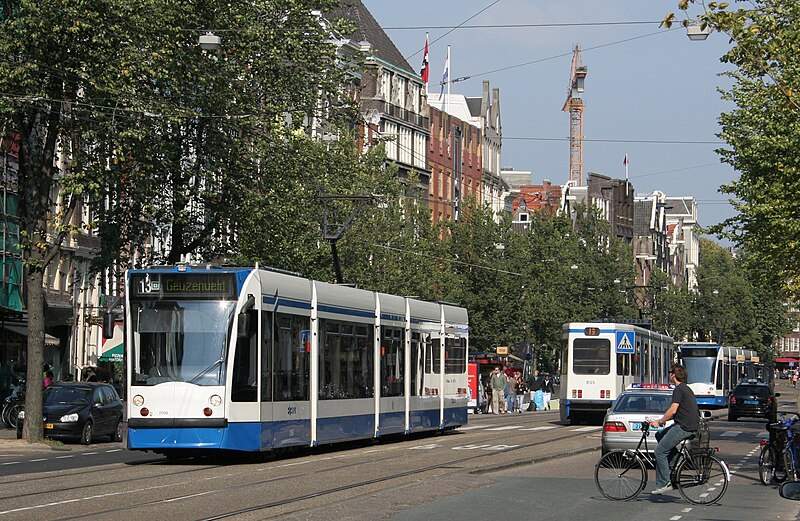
{"x": 686, "y": 414}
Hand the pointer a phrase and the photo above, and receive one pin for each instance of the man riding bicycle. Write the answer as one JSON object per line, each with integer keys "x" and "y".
{"x": 686, "y": 414}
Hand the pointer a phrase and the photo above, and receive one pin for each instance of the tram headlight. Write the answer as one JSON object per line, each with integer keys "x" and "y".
{"x": 138, "y": 400}
{"x": 215, "y": 400}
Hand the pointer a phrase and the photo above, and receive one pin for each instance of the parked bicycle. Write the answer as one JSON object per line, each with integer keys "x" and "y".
{"x": 13, "y": 404}
{"x": 700, "y": 477}
{"x": 771, "y": 461}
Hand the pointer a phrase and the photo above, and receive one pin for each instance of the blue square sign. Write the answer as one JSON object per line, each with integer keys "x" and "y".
{"x": 625, "y": 342}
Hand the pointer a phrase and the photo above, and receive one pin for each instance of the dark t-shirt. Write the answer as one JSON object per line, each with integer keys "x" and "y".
{"x": 688, "y": 415}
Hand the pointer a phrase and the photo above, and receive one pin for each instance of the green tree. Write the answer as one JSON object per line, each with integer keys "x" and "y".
{"x": 114, "y": 104}
{"x": 762, "y": 133}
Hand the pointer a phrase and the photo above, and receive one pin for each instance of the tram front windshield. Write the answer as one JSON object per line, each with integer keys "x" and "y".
{"x": 180, "y": 341}
{"x": 699, "y": 370}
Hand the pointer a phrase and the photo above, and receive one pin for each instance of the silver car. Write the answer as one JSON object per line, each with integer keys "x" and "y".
{"x": 622, "y": 426}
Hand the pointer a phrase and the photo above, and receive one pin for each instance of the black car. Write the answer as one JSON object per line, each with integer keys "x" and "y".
{"x": 753, "y": 399}
{"x": 81, "y": 411}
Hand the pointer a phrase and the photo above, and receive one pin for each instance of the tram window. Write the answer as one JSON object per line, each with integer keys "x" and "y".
{"x": 416, "y": 365}
{"x": 290, "y": 358}
{"x": 266, "y": 356}
{"x": 346, "y": 361}
{"x": 623, "y": 364}
{"x": 244, "y": 387}
{"x": 591, "y": 356}
{"x": 432, "y": 357}
{"x": 392, "y": 361}
{"x": 455, "y": 355}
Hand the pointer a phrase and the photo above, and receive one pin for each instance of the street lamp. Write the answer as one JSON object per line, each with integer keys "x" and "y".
{"x": 209, "y": 41}
{"x": 697, "y": 31}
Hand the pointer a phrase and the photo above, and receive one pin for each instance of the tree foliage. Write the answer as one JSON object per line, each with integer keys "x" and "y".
{"x": 763, "y": 134}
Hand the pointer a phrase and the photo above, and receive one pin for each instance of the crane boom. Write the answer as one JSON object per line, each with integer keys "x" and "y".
{"x": 574, "y": 105}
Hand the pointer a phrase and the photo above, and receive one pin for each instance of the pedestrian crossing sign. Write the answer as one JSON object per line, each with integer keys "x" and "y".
{"x": 625, "y": 342}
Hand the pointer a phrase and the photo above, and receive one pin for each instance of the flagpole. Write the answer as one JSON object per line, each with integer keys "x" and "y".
{"x": 626, "y": 175}
{"x": 449, "y": 75}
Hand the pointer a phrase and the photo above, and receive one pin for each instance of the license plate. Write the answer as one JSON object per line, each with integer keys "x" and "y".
{"x": 637, "y": 426}
{"x": 751, "y": 402}
{"x": 48, "y": 425}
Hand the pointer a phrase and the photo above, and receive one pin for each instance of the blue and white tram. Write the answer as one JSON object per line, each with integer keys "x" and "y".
{"x": 713, "y": 370}
{"x": 599, "y": 360}
{"x": 250, "y": 359}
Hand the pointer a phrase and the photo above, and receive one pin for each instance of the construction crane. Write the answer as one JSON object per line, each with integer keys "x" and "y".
{"x": 574, "y": 105}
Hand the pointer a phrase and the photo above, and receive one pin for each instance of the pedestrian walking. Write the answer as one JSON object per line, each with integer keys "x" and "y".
{"x": 521, "y": 390}
{"x": 498, "y": 383}
{"x": 794, "y": 379}
{"x": 511, "y": 394}
{"x": 547, "y": 391}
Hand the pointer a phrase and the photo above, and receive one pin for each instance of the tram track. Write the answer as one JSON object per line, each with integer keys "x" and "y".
{"x": 533, "y": 439}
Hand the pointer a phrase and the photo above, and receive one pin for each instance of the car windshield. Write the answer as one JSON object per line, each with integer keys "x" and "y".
{"x": 643, "y": 403}
{"x": 55, "y": 395}
{"x": 751, "y": 390}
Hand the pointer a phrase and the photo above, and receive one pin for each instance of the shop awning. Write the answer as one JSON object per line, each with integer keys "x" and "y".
{"x": 49, "y": 340}
{"x": 112, "y": 355}
{"x": 786, "y": 360}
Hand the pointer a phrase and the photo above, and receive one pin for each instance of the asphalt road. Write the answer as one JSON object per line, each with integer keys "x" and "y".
{"x": 526, "y": 466}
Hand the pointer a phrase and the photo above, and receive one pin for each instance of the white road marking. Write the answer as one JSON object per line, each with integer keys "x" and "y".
{"x": 731, "y": 434}
{"x": 471, "y": 447}
{"x": 10, "y": 463}
{"x": 425, "y": 447}
{"x": 541, "y": 428}
{"x": 473, "y": 427}
{"x": 39, "y": 459}
{"x": 586, "y": 429}
{"x": 506, "y": 428}
{"x": 687, "y": 509}
{"x": 65, "y": 457}
{"x": 675, "y": 518}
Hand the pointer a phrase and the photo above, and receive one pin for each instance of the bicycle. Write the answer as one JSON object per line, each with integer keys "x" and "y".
{"x": 771, "y": 464}
{"x": 700, "y": 477}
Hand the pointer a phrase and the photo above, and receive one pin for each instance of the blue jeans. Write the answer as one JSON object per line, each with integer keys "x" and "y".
{"x": 666, "y": 453}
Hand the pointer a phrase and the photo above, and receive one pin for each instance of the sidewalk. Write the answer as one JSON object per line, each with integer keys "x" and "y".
{"x": 10, "y": 445}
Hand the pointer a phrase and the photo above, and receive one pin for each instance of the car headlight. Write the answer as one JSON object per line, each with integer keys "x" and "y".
{"x": 68, "y": 418}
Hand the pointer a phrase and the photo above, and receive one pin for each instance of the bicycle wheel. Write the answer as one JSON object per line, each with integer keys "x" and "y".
{"x": 702, "y": 479}
{"x": 788, "y": 464}
{"x": 620, "y": 475}
{"x": 766, "y": 465}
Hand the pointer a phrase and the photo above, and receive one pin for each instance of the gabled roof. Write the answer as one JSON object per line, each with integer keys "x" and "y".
{"x": 367, "y": 28}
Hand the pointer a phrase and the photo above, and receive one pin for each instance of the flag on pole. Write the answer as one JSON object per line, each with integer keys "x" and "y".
{"x": 424, "y": 72}
{"x": 446, "y": 75}
{"x": 625, "y": 162}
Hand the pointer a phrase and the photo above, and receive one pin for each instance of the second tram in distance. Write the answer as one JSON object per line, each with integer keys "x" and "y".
{"x": 599, "y": 360}
{"x": 251, "y": 359}
{"x": 713, "y": 370}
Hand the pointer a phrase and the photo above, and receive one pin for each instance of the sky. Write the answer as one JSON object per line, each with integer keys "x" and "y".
{"x": 650, "y": 93}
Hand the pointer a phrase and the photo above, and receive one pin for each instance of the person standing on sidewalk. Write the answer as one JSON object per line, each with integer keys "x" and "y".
{"x": 547, "y": 390}
{"x": 498, "y": 382}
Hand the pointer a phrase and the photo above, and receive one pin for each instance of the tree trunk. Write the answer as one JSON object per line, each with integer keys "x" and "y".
{"x": 32, "y": 430}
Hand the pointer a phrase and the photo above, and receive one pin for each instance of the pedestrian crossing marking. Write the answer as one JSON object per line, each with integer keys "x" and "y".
{"x": 473, "y": 427}
{"x": 541, "y": 428}
{"x": 586, "y": 429}
{"x": 506, "y": 428}
{"x": 731, "y": 434}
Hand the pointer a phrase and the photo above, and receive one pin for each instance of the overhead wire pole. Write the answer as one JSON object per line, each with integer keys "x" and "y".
{"x": 333, "y": 231}
{"x": 574, "y": 105}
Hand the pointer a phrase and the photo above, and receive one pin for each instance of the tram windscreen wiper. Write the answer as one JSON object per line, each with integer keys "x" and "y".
{"x": 207, "y": 370}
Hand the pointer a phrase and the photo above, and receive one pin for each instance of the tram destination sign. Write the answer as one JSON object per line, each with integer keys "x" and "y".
{"x": 146, "y": 286}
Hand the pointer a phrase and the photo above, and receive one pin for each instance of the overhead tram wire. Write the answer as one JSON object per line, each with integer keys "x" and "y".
{"x": 518, "y": 26}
